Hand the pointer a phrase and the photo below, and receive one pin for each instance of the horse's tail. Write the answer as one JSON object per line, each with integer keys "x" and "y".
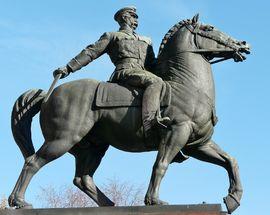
{"x": 24, "y": 109}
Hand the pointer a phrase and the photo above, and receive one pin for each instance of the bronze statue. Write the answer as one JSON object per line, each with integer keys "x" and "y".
{"x": 132, "y": 56}
{"x": 85, "y": 117}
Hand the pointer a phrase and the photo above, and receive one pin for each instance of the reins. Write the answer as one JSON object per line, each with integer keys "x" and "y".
{"x": 196, "y": 31}
{"x": 202, "y": 51}
{"x": 194, "y": 28}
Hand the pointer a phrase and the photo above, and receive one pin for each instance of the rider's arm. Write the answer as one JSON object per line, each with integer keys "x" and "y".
{"x": 90, "y": 53}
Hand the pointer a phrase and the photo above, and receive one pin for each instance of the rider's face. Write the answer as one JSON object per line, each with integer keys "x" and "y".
{"x": 131, "y": 20}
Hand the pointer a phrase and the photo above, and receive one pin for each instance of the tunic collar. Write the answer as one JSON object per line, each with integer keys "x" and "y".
{"x": 127, "y": 30}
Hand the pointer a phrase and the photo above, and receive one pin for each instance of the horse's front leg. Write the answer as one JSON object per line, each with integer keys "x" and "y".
{"x": 212, "y": 153}
{"x": 173, "y": 141}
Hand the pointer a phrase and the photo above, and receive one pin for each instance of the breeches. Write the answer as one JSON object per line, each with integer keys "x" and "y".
{"x": 153, "y": 86}
{"x": 136, "y": 77}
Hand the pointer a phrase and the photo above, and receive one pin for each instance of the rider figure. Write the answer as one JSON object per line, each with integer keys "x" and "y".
{"x": 134, "y": 58}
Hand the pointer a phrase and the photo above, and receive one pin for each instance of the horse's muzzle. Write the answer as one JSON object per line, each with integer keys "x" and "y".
{"x": 244, "y": 47}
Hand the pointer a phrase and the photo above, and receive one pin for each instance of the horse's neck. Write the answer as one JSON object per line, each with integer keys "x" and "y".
{"x": 191, "y": 71}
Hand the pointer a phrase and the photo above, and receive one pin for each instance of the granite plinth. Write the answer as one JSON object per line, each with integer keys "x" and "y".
{"x": 201, "y": 209}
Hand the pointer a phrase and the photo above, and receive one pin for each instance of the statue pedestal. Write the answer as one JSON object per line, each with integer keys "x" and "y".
{"x": 201, "y": 209}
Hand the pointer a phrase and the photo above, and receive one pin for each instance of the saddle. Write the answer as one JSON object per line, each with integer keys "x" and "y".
{"x": 116, "y": 95}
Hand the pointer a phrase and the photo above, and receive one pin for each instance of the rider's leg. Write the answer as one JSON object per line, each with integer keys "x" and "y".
{"x": 151, "y": 98}
{"x": 151, "y": 103}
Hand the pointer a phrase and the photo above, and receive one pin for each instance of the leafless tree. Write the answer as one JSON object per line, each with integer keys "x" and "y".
{"x": 121, "y": 193}
{"x": 3, "y": 203}
{"x": 124, "y": 193}
{"x": 63, "y": 197}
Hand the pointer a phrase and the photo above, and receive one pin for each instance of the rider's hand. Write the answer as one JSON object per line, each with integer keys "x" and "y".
{"x": 62, "y": 70}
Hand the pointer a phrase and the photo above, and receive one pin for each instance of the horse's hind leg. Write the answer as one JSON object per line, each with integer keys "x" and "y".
{"x": 211, "y": 152}
{"x": 48, "y": 152}
{"x": 87, "y": 161}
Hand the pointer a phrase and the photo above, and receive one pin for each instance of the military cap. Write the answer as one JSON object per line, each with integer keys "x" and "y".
{"x": 129, "y": 9}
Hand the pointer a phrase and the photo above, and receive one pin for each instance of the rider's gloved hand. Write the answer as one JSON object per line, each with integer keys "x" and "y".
{"x": 62, "y": 70}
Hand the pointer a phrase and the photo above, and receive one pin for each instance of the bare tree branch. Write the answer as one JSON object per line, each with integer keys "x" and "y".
{"x": 63, "y": 197}
{"x": 3, "y": 202}
{"x": 121, "y": 193}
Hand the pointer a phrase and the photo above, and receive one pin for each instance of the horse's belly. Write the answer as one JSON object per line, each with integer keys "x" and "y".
{"x": 121, "y": 128}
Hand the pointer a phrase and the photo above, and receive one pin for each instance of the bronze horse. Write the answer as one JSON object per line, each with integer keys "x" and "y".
{"x": 71, "y": 122}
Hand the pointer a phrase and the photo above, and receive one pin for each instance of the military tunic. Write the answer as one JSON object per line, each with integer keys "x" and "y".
{"x": 132, "y": 55}
{"x": 134, "y": 58}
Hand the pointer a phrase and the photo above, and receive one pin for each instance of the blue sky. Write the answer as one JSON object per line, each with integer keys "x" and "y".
{"x": 38, "y": 36}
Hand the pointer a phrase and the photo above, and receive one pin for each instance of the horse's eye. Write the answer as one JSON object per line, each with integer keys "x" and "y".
{"x": 209, "y": 28}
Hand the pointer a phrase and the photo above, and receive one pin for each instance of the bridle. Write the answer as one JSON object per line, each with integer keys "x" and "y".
{"x": 194, "y": 28}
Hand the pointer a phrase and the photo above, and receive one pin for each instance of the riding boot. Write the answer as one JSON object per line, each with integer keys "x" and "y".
{"x": 150, "y": 109}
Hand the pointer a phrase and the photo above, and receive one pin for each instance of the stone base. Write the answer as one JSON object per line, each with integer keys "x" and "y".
{"x": 201, "y": 209}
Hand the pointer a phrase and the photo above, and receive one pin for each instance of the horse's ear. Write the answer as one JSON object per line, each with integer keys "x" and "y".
{"x": 195, "y": 19}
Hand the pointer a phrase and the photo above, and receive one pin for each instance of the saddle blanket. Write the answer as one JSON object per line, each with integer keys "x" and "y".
{"x": 116, "y": 95}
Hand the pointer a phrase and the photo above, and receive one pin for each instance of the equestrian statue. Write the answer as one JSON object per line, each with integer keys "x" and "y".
{"x": 164, "y": 104}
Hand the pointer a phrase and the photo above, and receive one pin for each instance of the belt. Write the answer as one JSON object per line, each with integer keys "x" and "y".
{"x": 126, "y": 63}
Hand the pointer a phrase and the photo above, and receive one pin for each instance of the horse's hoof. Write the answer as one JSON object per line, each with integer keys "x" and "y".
{"x": 18, "y": 203}
{"x": 159, "y": 202}
{"x": 231, "y": 203}
{"x": 155, "y": 202}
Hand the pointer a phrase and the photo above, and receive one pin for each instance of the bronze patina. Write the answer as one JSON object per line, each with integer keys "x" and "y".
{"x": 134, "y": 58}
{"x": 72, "y": 119}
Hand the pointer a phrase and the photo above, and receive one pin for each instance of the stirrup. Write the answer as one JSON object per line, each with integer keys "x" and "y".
{"x": 157, "y": 122}
{"x": 163, "y": 122}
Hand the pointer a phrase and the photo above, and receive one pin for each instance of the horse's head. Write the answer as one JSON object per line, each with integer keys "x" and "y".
{"x": 212, "y": 42}
{"x": 191, "y": 36}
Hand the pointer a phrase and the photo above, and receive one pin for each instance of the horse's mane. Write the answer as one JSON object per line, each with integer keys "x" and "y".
{"x": 171, "y": 32}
